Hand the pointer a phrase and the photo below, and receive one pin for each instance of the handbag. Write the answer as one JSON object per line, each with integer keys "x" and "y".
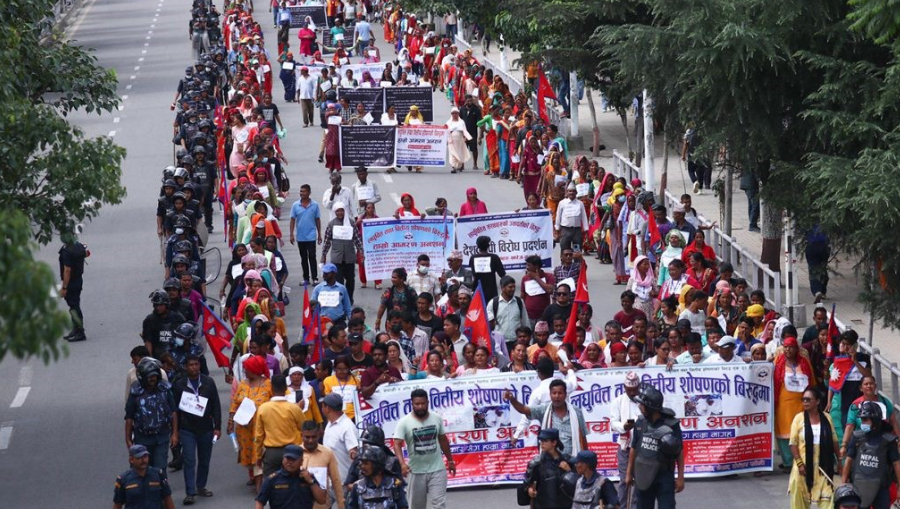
{"x": 285, "y": 184}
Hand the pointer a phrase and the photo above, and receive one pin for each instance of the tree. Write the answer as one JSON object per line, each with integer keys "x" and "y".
{"x": 53, "y": 176}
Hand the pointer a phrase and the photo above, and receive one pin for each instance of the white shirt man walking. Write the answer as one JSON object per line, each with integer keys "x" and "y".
{"x": 622, "y": 415}
{"x": 422, "y": 432}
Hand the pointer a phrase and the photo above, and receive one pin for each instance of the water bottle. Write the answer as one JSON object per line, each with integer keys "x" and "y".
{"x": 234, "y": 441}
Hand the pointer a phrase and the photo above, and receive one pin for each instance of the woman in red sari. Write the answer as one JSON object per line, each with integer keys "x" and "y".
{"x": 265, "y": 70}
{"x": 530, "y": 176}
{"x": 407, "y": 208}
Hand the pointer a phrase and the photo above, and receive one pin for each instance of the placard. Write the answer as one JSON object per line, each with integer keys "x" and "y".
{"x": 300, "y": 12}
{"x": 371, "y": 98}
{"x": 422, "y": 145}
{"x": 401, "y": 98}
{"x": 730, "y": 433}
{"x": 367, "y": 145}
{"x": 514, "y": 236}
{"x": 392, "y": 243}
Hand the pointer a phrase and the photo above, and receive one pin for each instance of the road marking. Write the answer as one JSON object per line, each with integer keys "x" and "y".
{"x": 121, "y": 107}
{"x": 133, "y": 76}
{"x": 153, "y": 26}
{"x": 25, "y": 375}
{"x": 141, "y": 59}
{"x": 112, "y": 134}
{"x": 19, "y": 400}
{"x": 128, "y": 86}
{"x": 83, "y": 15}
{"x": 146, "y": 44}
{"x": 150, "y": 32}
{"x": 124, "y": 97}
{"x": 143, "y": 52}
{"x": 396, "y": 198}
{"x": 387, "y": 178}
{"x": 116, "y": 120}
{"x": 6, "y": 430}
{"x": 148, "y": 37}
{"x": 137, "y": 68}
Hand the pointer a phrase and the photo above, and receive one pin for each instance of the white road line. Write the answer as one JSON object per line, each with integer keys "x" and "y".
{"x": 112, "y": 134}
{"x": 121, "y": 107}
{"x": 387, "y": 178}
{"x": 141, "y": 59}
{"x": 116, "y": 120}
{"x": 19, "y": 400}
{"x": 128, "y": 87}
{"x": 143, "y": 52}
{"x": 146, "y": 44}
{"x": 84, "y": 11}
{"x": 153, "y": 26}
{"x": 25, "y": 375}
{"x": 124, "y": 97}
{"x": 396, "y": 198}
{"x": 148, "y": 37}
{"x": 6, "y": 430}
{"x": 132, "y": 77}
{"x": 137, "y": 68}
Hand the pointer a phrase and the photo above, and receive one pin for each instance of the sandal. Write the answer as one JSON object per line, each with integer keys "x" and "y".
{"x": 203, "y": 492}
{"x": 188, "y": 500}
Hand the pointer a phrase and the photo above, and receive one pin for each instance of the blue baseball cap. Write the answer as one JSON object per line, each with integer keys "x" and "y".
{"x": 138, "y": 451}
{"x": 329, "y": 267}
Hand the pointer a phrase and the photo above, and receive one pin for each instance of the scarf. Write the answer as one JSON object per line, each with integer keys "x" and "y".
{"x": 547, "y": 423}
{"x": 646, "y": 280}
{"x": 781, "y": 367}
{"x": 587, "y": 364}
{"x": 826, "y": 449}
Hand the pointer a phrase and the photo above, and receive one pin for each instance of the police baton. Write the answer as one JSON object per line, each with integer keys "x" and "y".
{"x": 629, "y": 496}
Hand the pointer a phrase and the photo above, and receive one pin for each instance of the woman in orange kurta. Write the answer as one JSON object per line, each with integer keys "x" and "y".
{"x": 256, "y": 387}
{"x": 549, "y": 190}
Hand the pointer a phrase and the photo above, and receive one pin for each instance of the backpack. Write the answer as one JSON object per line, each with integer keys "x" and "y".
{"x": 154, "y": 413}
{"x": 495, "y": 306}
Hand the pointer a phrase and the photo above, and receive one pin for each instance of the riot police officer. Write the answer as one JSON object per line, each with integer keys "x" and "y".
{"x": 656, "y": 449}
{"x": 142, "y": 485}
{"x": 150, "y": 413}
{"x": 544, "y": 474}
{"x": 373, "y": 436}
{"x": 159, "y": 326}
{"x": 846, "y": 497}
{"x": 378, "y": 488}
{"x": 873, "y": 460}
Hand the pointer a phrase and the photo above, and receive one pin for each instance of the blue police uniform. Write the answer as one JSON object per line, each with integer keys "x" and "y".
{"x": 282, "y": 490}
{"x": 390, "y": 494}
{"x": 149, "y": 491}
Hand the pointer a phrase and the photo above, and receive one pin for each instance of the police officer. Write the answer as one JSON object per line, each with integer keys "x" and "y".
{"x": 656, "y": 449}
{"x": 292, "y": 486}
{"x": 176, "y": 302}
{"x": 378, "y": 488}
{"x": 544, "y": 474}
{"x": 150, "y": 413}
{"x": 71, "y": 269}
{"x": 142, "y": 486}
{"x": 591, "y": 490}
{"x": 846, "y": 497}
{"x": 873, "y": 458}
{"x": 373, "y": 436}
{"x": 159, "y": 326}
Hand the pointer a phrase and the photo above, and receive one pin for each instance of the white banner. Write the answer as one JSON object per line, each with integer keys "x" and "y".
{"x": 514, "y": 236}
{"x": 725, "y": 410}
{"x": 422, "y": 145}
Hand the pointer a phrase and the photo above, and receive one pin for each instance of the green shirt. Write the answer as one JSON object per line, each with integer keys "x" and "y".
{"x": 422, "y": 444}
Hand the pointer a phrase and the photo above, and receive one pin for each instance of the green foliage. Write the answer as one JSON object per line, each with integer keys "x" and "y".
{"x": 53, "y": 176}
{"x": 30, "y": 321}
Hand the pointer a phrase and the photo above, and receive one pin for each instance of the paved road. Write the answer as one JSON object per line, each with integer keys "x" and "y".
{"x": 61, "y": 442}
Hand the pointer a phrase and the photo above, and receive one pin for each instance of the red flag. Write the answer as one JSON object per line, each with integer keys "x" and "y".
{"x": 476, "y": 326}
{"x": 312, "y": 328}
{"x": 544, "y": 91}
{"x": 834, "y": 335}
{"x": 581, "y": 297}
{"x": 218, "y": 335}
{"x": 653, "y": 229}
{"x": 840, "y": 369}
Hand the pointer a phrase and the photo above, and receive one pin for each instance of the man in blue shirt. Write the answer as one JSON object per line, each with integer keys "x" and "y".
{"x": 333, "y": 299}
{"x": 363, "y": 36}
{"x": 306, "y": 229}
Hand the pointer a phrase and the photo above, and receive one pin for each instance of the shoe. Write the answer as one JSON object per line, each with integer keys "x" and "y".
{"x": 188, "y": 500}
{"x": 696, "y": 187}
{"x": 321, "y": 159}
{"x": 378, "y": 286}
{"x": 209, "y": 229}
{"x": 315, "y": 282}
{"x": 364, "y": 285}
{"x": 76, "y": 337}
{"x": 203, "y": 492}
{"x": 819, "y": 297}
{"x": 453, "y": 170}
{"x": 754, "y": 229}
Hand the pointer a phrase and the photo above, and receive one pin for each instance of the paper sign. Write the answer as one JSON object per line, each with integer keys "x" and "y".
{"x": 264, "y": 191}
{"x": 482, "y": 264}
{"x": 540, "y": 159}
{"x": 415, "y": 121}
{"x": 365, "y": 192}
{"x": 344, "y": 61}
{"x": 266, "y": 68}
{"x": 193, "y": 403}
{"x": 572, "y": 210}
{"x": 334, "y": 120}
{"x": 373, "y": 53}
{"x": 385, "y": 84}
{"x": 245, "y": 412}
{"x": 342, "y": 232}
{"x": 368, "y": 118}
{"x": 236, "y": 271}
{"x": 288, "y": 66}
{"x": 320, "y": 474}
{"x": 329, "y": 299}
{"x": 278, "y": 264}
{"x": 419, "y": 59}
{"x": 563, "y": 356}
{"x": 325, "y": 86}
{"x": 515, "y": 158}
{"x": 366, "y": 84}
{"x": 337, "y": 36}
{"x": 582, "y": 189}
{"x": 533, "y": 288}
{"x": 559, "y": 179}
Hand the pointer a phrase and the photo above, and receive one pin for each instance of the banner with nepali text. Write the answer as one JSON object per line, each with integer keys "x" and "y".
{"x": 726, "y": 417}
{"x": 392, "y": 243}
{"x": 422, "y": 145}
{"x": 514, "y": 236}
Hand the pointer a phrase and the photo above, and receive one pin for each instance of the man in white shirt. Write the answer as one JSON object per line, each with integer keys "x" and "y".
{"x": 337, "y": 193}
{"x": 306, "y": 94}
{"x": 623, "y": 412}
{"x": 725, "y": 354}
{"x": 541, "y": 394}
{"x": 340, "y": 433}
{"x": 365, "y": 191}
{"x": 571, "y": 221}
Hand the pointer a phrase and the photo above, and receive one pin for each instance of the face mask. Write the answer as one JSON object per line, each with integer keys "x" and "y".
{"x": 423, "y": 270}
{"x": 865, "y": 428}
{"x": 179, "y": 341}
{"x": 396, "y": 328}
{"x": 621, "y": 199}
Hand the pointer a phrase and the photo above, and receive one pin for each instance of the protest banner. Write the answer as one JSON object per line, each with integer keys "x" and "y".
{"x": 367, "y": 145}
{"x": 514, "y": 236}
{"x": 392, "y": 243}
{"x": 374, "y": 69}
{"x": 725, "y": 412}
{"x": 401, "y": 98}
{"x": 371, "y": 98}
{"x": 316, "y": 12}
{"x": 422, "y": 145}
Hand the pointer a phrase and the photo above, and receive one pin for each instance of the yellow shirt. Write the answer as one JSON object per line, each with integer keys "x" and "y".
{"x": 278, "y": 423}
{"x": 322, "y": 464}
{"x": 347, "y": 390}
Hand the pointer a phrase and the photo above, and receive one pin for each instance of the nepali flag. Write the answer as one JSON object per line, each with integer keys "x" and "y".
{"x": 312, "y": 328}
{"x": 476, "y": 326}
{"x": 840, "y": 368}
{"x": 581, "y": 297}
{"x": 544, "y": 91}
{"x": 218, "y": 335}
{"x": 834, "y": 336}
{"x": 655, "y": 236}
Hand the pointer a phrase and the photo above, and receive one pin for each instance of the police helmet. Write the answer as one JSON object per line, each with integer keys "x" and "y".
{"x": 192, "y": 113}
{"x": 171, "y": 284}
{"x": 670, "y": 446}
{"x": 170, "y": 183}
{"x": 373, "y": 435}
{"x": 147, "y": 367}
{"x": 183, "y": 245}
{"x": 187, "y": 160}
{"x": 331, "y": 95}
{"x": 185, "y": 330}
{"x": 181, "y": 172}
{"x": 181, "y": 153}
{"x": 189, "y": 186}
{"x": 159, "y": 298}
{"x": 871, "y": 410}
{"x": 204, "y": 123}
{"x": 199, "y": 149}
{"x": 567, "y": 484}
{"x": 180, "y": 259}
{"x": 182, "y": 221}
{"x": 650, "y": 397}
{"x": 189, "y": 71}
{"x": 179, "y": 196}
{"x": 375, "y": 455}
{"x": 846, "y": 495}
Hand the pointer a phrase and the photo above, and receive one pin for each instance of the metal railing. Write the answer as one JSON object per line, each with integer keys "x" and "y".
{"x": 746, "y": 266}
